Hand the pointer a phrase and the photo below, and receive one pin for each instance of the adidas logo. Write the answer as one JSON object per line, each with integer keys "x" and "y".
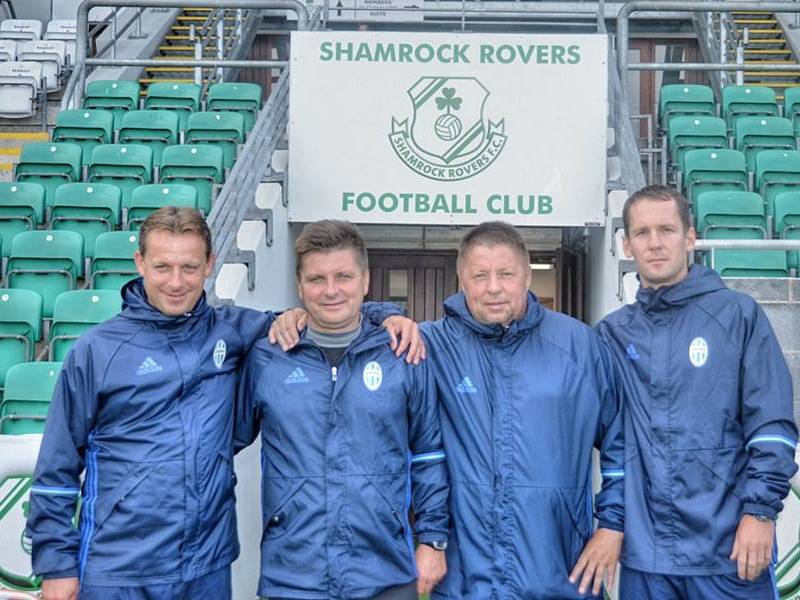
{"x": 466, "y": 387}
{"x": 296, "y": 376}
{"x": 632, "y": 353}
{"x": 149, "y": 366}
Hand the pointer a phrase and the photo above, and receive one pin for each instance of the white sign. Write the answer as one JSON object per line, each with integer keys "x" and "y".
{"x": 448, "y": 129}
{"x": 376, "y": 10}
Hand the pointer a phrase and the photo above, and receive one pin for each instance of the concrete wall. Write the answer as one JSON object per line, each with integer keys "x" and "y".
{"x": 780, "y": 299}
{"x": 274, "y": 290}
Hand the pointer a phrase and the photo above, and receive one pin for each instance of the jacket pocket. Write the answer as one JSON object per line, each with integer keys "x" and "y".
{"x": 394, "y": 513}
{"x": 279, "y": 517}
{"x": 137, "y": 524}
{"x": 108, "y": 501}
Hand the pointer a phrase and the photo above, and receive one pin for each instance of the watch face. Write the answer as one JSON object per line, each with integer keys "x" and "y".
{"x": 439, "y": 545}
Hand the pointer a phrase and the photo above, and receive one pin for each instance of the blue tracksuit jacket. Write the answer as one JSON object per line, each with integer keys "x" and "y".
{"x": 345, "y": 452}
{"x": 521, "y": 409}
{"x": 145, "y": 403}
{"x": 709, "y": 433}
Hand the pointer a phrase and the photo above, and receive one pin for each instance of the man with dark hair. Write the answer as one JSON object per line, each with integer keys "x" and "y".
{"x": 709, "y": 430}
{"x": 350, "y": 437}
{"x": 525, "y": 394}
{"x": 144, "y": 404}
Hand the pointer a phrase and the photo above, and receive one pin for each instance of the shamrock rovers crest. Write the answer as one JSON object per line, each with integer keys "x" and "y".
{"x": 448, "y": 138}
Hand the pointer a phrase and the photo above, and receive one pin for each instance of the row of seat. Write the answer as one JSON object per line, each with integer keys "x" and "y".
{"x": 52, "y": 55}
{"x": 127, "y": 166}
{"x": 50, "y": 262}
{"x": 86, "y": 208}
{"x": 737, "y": 101}
{"x": 21, "y": 322}
{"x": 26, "y": 399}
{"x": 741, "y": 215}
{"x": 185, "y": 98}
{"x": 751, "y": 135}
{"x": 775, "y": 171}
{"x": 750, "y": 263}
{"x": 157, "y": 129}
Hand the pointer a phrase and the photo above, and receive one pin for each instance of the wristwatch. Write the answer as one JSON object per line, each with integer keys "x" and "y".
{"x": 441, "y": 546}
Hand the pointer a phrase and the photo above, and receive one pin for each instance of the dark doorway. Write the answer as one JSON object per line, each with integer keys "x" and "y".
{"x": 417, "y": 281}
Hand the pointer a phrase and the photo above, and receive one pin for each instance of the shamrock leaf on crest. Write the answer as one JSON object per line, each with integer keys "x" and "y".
{"x": 448, "y": 100}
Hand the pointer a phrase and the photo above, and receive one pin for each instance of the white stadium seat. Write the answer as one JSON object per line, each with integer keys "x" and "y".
{"x": 21, "y": 29}
{"x": 64, "y": 30}
{"x": 8, "y": 50}
{"x": 20, "y": 83}
{"x": 52, "y": 56}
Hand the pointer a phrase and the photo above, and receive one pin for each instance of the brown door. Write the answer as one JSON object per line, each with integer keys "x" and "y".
{"x": 417, "y": 281}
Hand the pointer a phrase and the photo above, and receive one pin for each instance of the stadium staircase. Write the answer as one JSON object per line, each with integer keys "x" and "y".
{"x": 766, "y": 45}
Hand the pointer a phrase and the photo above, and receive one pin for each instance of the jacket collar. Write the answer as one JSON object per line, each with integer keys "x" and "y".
{"x": 455, "y": 307}
{"x": 136, "y": 306}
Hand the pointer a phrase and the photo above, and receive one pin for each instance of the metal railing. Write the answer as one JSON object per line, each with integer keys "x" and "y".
{"x": 73, "y": 93}
{"x": 623, "y": 34}
{"x": 10, "y": 6}
{"x": 711, "y": 246}
{"x": 235, "y": 200}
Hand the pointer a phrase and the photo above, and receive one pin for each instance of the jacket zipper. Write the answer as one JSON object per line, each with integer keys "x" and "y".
{"x": 333, "y": 374}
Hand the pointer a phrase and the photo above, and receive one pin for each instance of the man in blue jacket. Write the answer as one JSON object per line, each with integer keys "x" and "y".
{"x": 144, "y": 403}
{"x": 525, "y": 394}
{"x": 350, "y": 441}
{"x": 709, "y": 433}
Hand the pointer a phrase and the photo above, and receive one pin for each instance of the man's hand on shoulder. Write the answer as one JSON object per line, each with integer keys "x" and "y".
{"x": 598, "y": 561}
{"x": 287, "y": 327}
{"x": 60, "y": 589}
{"x": 752, "y": 546}
{"x": 431, "y": 568}
{"x": 405, "y": 336}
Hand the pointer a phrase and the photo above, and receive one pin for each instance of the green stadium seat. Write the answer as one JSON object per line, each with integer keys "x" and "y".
{"x": 791, "y": 106}
{"x": 117, "y": 96}
{"x": 776, "y": 171}
{"x": 184, "y": 98}
{"x": 712, "y": 169}
{"x": 77, "y": 311}
{"x": 85, "y": 128}
{"x": 223, "y": 129}
{"x": 87, "y": 208}
{"x": 123, "y": 165}
{"x": 742, "y": 101}
{"x": 155, "y": 129}
{"x": 48, "y": 262}
{"x": 147, "y": 198}
{"x": 26, "y": 397}
{"x": 699, "y": 131}
{"x": 731, "y": 215}
{"x": 754, "y": 134}
{"x": 751, "y": 263}
{"x": 198, "y": 165}
{"x": 20, "y": 328}
{"x": 21, "y": 209}
{"x": 244, "y": 98}
{"x": 684, "y": 99}
{"x": 49, "y": 164}
{"x": 787, "y": 222}
{"x": 113, "y": 265}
